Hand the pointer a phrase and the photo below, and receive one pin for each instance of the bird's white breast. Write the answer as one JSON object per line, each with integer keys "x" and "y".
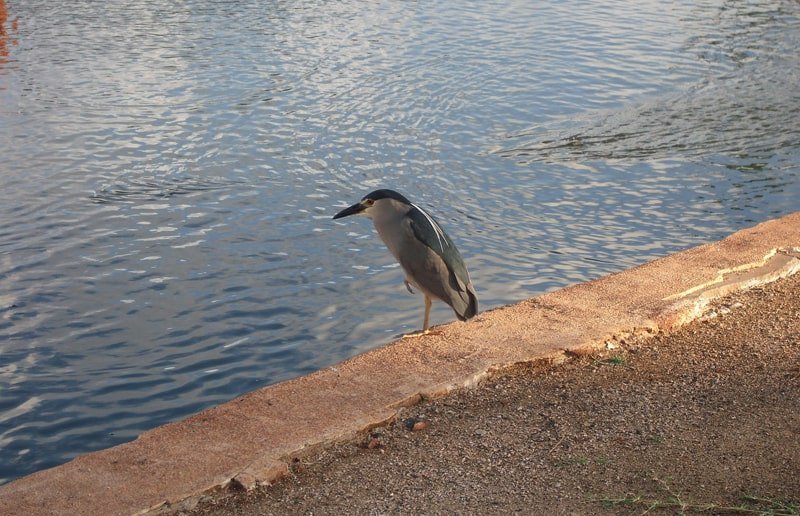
{"x": 393, "y": 231}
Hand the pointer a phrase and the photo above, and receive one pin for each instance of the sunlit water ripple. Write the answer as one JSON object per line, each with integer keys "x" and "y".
{"x": 169, "y": 172}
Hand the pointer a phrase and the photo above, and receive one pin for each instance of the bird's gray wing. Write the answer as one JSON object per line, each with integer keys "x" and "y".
{"x": 430, "y": 232}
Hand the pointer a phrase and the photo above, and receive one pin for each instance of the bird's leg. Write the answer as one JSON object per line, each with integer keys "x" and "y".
{"x": 427, "y": 314}
{"x": 425, "y": 330}
{"x": 408, "y": 285}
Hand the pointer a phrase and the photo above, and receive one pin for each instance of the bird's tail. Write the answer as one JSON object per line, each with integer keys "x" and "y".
{"x": 470, "y": 308}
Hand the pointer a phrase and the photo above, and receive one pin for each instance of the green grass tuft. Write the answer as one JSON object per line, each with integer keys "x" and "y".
{"x": 749, "y": 504}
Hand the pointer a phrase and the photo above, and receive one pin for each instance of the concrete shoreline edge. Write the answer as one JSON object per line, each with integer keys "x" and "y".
{"x": 249, "y": 441}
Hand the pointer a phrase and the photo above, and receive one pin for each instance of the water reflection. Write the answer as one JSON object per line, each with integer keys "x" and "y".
{"x": 703, "y": 121}
{"x": 8, "y": 28}
{"x": 169, "y": 174}
{"x": 155, "y": 187}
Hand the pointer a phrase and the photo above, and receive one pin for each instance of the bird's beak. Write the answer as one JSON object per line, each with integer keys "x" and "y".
{"x": 352, "y": 210}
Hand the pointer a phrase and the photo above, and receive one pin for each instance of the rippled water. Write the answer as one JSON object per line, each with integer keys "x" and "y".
{"x": 169, "y": 170}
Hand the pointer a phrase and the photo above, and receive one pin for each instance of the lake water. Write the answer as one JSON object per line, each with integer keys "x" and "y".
{"x": 168, "y": 173}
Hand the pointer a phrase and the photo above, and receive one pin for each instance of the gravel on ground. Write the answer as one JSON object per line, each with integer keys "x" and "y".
{"x": 706, "y": 418}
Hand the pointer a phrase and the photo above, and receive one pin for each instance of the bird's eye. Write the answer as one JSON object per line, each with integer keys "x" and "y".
{"x": 368, "y": 202}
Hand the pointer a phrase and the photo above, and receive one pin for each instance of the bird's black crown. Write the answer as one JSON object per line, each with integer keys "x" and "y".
{"x": 386, "y": 194}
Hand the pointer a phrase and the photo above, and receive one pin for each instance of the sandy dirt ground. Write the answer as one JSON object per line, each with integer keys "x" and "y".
{"x": 706, "y": 418}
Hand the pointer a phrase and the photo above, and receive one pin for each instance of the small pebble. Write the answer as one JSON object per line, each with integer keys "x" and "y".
{"x": 419, "y": 425}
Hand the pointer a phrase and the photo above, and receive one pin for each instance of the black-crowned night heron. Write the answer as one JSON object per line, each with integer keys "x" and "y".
{"x": 426, "y": 253}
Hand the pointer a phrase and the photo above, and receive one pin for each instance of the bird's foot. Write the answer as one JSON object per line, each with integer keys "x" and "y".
{"x": 421, "y": 333}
